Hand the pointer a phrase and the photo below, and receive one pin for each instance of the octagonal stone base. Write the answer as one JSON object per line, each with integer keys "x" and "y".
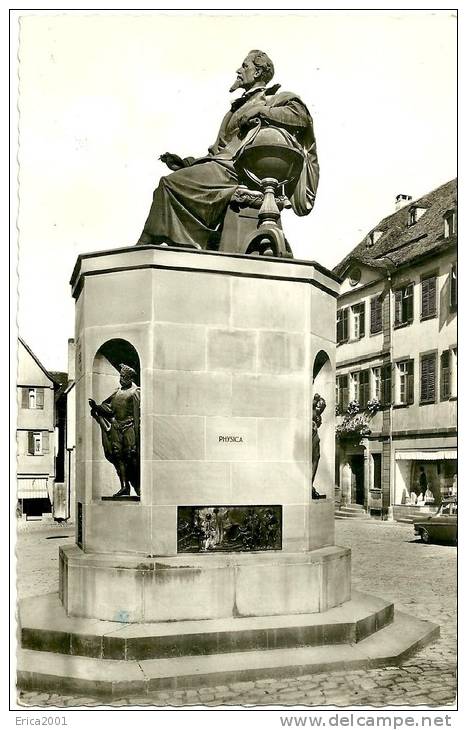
{"x": 128, "y": 589}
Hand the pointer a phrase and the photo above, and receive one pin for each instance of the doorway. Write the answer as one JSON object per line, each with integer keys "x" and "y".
{"x": 358, "y": 479}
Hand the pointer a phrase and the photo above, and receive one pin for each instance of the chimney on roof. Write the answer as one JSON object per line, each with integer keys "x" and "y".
{"x": 71, "y": 359}
{"x": 402, "y": 200}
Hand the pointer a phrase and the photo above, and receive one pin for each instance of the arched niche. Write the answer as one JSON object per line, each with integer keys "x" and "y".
{"x": 105, "y": 381}
{"x": 324, "y": 385}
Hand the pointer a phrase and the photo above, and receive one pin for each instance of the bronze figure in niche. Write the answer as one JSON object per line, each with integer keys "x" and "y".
{"x": 119, "y": 419}
{"x": 319, "y": 404}
{"x": 189, "y": 205}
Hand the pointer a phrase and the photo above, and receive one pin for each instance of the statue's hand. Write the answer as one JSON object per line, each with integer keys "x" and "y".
{"x": 252, "y": 119}
{"x": 173, "y": 162}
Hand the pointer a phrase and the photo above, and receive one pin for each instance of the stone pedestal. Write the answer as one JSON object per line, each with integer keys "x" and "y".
{"x": 230, "y": 351}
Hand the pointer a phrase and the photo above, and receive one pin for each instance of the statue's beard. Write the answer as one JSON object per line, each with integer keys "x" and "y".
{"x": 237, "y": 84}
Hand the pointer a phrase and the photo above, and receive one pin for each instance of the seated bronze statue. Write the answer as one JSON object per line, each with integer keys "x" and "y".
{"x": 189, "y": 205}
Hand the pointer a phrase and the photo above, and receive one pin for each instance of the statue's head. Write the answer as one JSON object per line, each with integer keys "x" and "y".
{"x": 127, "y": 375}
{"x": 256, "y": 70}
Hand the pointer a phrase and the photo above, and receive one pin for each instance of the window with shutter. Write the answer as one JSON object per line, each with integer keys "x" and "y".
{"x": 345, "y": 393}
{"x": 401, "y": 383}
{"x": 35, "y": 443}
{"x": 363, "y": 388}
{"x": 397, "y": 307}
{"x": 445, "y": 375}
{"x": 428, "y": 287}
{"x": 357, "y": 321}
{"x": 362, "y": 320}
{"x": 386, "y": 384}
{"x": 342, "y": 392}
{"x": 40, "y": 398}
{"x": 403, "y": 306}
{"x": 345, "y": 324}
{"x": 410, "y": 383}
{"x": 376, "y": 315}
{"x": 428, "y": 378}
{"x": 24, "y": 397}
{"x": 32, "y": 398}
{"x": 376, "y": 383}
{"x": 342, "y": 326}
{"x": 45, "y": 442}
{"x": 407, "y": 304}
{"x": 454, "y": 372}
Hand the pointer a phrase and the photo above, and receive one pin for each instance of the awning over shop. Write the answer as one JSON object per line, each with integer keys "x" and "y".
{"x": 32, "y": 488}
{"x": 437, "y": 455}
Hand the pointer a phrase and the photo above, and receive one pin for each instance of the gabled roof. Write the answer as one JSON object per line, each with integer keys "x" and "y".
{"x": 401, "y": 243}
{"x": 46, "y": 372}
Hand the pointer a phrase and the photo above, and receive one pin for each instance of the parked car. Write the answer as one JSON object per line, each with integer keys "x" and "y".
{"x": 441, "y": 526}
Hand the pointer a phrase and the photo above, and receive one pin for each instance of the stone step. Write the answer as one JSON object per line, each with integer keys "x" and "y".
{"x": 349, "y": 623}
{"x": 353, "y": 507}
{"x": 341, "y": 514}
{"x": 114, "y": 678}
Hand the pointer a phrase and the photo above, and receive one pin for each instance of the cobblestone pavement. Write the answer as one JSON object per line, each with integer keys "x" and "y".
{"x": 386, "y": 561}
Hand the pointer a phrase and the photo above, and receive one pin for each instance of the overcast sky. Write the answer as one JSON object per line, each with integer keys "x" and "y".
{"x": 101, "y": 97}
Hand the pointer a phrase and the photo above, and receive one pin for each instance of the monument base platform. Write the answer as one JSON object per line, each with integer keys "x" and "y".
{"x": 112, "y": 659}
{"x": 133, "y": 589}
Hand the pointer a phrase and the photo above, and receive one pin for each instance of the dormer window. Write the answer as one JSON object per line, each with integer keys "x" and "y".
{"x": 415, "y": 213}
{"x": 373, "y": 237}
{"x": 449, "y": 223}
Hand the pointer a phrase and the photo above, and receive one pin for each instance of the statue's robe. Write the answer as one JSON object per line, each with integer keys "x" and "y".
{"x": 189, "y": 205}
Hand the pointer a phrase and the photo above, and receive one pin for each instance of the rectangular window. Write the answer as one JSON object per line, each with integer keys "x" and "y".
{"x": 376, "y": 315}
{"x": 342, "y": 397}
{"x": 386, "y": 385}
{"x": 358, "y": 321}
{"x": 453, "y": 287}
{"x": 342, "y": 325}
{"x": 428, "y": 378}
{"x": 353, "y": 387}
{"x": 38, "y": 443}
{"x": 403, "y": 306}
{"x": 32, "y": 398}
{"x": 35, "y": 443}
{"x": 404, "y": 382}
{"x": 363, "y": 388}
{"x": 376, "y": 383}
{"x": 428, "y": 305}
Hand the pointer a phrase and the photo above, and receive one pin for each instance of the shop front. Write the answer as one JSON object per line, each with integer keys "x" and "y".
{"x": 33, "y": 496}
{"x": 422, "y": 479}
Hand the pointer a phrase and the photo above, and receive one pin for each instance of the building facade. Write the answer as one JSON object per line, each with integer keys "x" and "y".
{"x": 35, "y": 435}
{"x": 45, "y": 438}
{"x": 396, "y": 383}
